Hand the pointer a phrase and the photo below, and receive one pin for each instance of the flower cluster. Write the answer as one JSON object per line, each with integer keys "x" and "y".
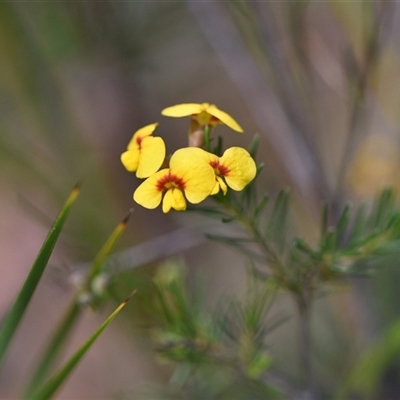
{"x": 193, "y": 173}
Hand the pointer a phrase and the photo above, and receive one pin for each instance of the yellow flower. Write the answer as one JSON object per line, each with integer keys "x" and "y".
{"x": 189, "y": 176}
{"x": 236, "y": 168}
{"x": 204, "y": 114}
{"x": 145, "y": 153}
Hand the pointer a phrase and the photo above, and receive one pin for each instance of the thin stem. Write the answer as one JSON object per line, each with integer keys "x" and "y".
{"x": 373, "y": 49}
{"x": 303, "y": 302}
{"x": 253, "y": 230}
{"x": 207, "y": 138}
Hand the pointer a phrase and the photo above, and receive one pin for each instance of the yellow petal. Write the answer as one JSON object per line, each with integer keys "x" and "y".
{"x": 152, "y": 155}
{"x": 222, "y": 185}
{"x": 174, "y": 199}
{"x": 142, "y": 132}
{"x": 148, "y": 194}
{"x": 216, "y": 188}
{"x": 199, "y": 177}
{"x": 182, "y": 110}
{"x": 130, "y": 159}
{"x": 241, "y": 166}
{"x": 224, "y": 117}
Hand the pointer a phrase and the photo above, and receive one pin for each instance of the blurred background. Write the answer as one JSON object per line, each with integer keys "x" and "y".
{"x": 316, "y": 80}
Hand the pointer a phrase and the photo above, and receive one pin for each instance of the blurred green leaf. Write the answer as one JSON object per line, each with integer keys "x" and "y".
{"x": 276, "y": 227}
{"x": 54, "y": 384}
{"x": 16, "y": 312}
{"x": 367, "y": 374}
{"x": 70, "y": 317}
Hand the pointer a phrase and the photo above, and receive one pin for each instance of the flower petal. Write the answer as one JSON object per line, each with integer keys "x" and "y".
{"x": 224, "y": 117}
{"x": 130, "y": 159}
{"x": 191, "y": 165}
{"x": 148, "y": 194}
{"x": 182, "y": 110}
{"x": 241, "y": 166}
{"x": 142, "y": 132}
{"x": 152, "y": 155}
{"x": 222, "y": 185}
{"x": 216, "y": 188}
{"x": 174, "y": 199}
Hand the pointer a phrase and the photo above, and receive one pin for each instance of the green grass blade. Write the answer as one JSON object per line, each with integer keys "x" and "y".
{"x": 73, "y": 312}
{"x": 51, "y": 387}
{"x": 17, "y": 310}
{"x": 107, "y": 248}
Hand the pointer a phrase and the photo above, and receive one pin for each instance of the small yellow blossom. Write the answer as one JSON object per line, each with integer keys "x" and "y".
{"x": 189, "y": 176}
{"x": 236, "y": 168}
{"x": 204, "y": 114}
{"x": 145, "y": 153}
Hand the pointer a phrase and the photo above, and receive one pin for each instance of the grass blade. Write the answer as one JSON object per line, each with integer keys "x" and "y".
{"x": 107, "y": 248}
{"x": 70, "y": 317}
{"x": 17, "y": 310}
{"x": 51, "y": 387}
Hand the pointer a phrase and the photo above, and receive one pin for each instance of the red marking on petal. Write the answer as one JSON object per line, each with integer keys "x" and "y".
{"x": 214, "y": 120}
{"x": 170, "y": 180}
{"x": 219, "y": 168}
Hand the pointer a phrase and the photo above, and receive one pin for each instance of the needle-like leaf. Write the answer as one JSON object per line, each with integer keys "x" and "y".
{"x": 17, "y": 310}
{"x": 51, "y": 387}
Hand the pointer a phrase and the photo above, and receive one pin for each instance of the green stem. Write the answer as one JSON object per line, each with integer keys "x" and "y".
{"x": 276, "y": 263}
{"x": 303, "y": 302}
{"x": 207, "y": 143}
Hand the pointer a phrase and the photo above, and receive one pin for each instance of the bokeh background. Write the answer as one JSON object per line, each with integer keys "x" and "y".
{"x": 318, "y": 81}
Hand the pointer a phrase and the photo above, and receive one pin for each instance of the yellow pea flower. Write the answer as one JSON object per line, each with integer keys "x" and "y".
{"x": 202, "y": 114}
{"x": 236, "y": 168}
{"x": 145, "y": 153}
{"x": 188, "y": 176}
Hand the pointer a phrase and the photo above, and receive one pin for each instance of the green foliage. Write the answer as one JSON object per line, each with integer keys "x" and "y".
{"x": 343, "y": 249}
{"x": 87, "y": 287}
{"x": 366, "y": 375}
{"x": 14, "y": 316}
{"x": 218, "y": 353}
{"x": 90, "y": 292}
{"x": 48, "y": 390}
{"x": 49, "y": 50}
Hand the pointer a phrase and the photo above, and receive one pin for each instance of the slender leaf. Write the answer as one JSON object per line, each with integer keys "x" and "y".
{"x": 260, "y": 207}
{"x": 305, "y": 248}
{"x": 254, "y": 146}
{"x": 107, "y": 247}
{"x": 359, "y": 226}
{"x": 277, "y": 224}
{"x": 324, "y": 220}
{"x": 342, "y": 224}
{"x": 16, "y": 312}
{"x": 69, "y": 319}
{"x": 382, "y": 207}
{"x": 54, "y": 384}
